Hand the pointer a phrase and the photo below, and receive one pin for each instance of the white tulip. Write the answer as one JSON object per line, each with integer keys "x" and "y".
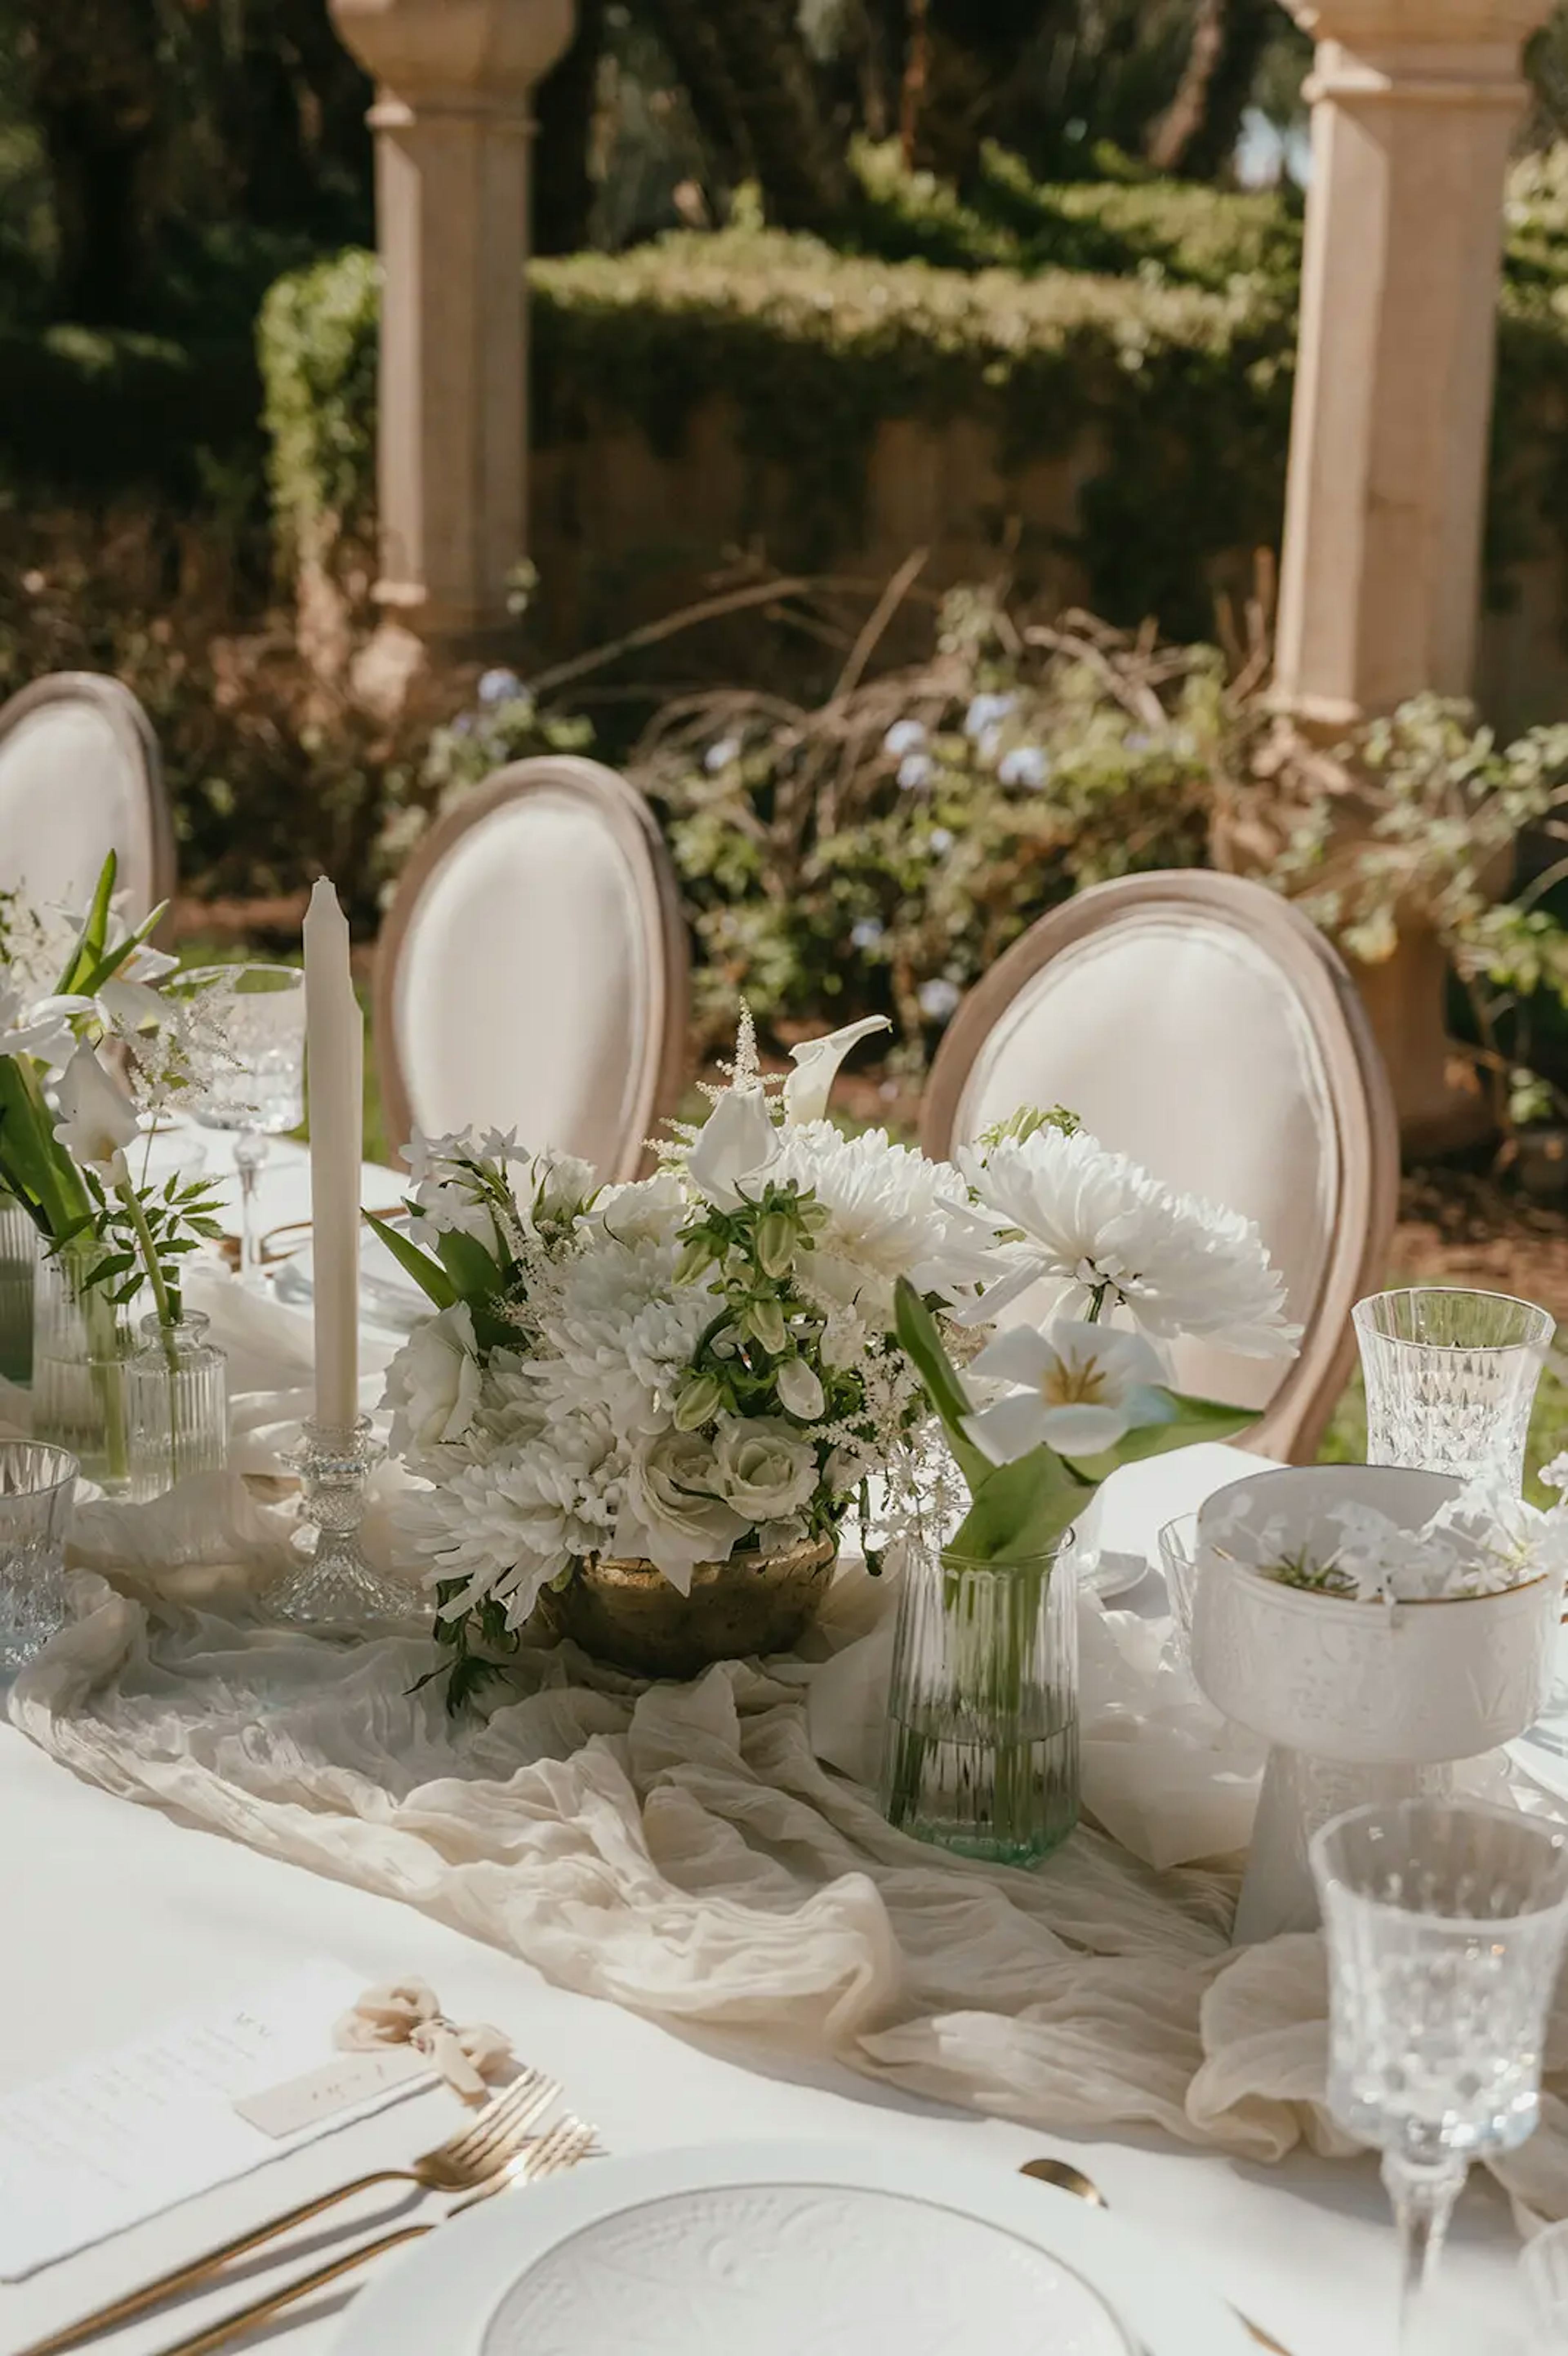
{"x": 816, "y": 1063}
{"x": 96, "y": 1119}
{"x": 1085, "y": 1388}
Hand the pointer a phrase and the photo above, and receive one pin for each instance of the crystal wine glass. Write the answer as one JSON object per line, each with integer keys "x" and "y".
{"x": 1451, "y": 1377}
{"x": 1445, "y": 1924}
{"x": 257, "y": 1092}
{"x": 1544, "y": 2266}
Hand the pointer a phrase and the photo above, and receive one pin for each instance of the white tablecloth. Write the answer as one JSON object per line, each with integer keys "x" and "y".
{"x": 118, "y": 1918}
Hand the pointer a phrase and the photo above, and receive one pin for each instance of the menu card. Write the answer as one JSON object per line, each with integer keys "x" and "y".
{"x": 118, "y": 2137}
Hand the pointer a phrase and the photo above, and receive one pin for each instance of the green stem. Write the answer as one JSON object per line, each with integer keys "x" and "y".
{"x": 168, "y": 1311}
{"x": 1097, "y": 1303}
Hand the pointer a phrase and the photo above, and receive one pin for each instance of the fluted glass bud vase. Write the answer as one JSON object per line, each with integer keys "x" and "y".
{"x": 981, "y": 1750}
{"x": 18, "y": 1267}
{"x": 176, "y": 1401}
{"x": 81, "y": 1340}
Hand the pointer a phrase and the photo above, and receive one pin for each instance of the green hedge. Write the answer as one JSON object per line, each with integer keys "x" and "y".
{"x": 89, "y": 413}
{"x": 1152, "y": 323}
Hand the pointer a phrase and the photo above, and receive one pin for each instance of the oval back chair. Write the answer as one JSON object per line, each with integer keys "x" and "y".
{"x": 532, "y": 974}
{"x": 79, "y": 776}
{"x": 1199, "y": 1024}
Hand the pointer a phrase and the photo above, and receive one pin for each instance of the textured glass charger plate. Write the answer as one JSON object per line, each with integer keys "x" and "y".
{"x": 389, "y": 1300}
{"x": 772, "y": 2249}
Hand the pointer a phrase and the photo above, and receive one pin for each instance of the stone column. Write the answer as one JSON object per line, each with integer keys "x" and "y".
{"x": 453, "y": 130}
{"x": 1413, "y": 106}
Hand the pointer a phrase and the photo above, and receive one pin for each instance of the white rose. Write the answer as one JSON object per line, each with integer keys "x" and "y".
{"x": 432, "y": 1384}
{"x": 670, "y": 1512}
{"x": 763, "y": 1469}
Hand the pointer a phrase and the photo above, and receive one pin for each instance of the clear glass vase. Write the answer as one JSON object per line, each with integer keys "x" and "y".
{"x": 18, "y": 1267}
{"x": 176, "y": 1406}
{"x": 81, "y": 1340}
{"x": 981, "y": 1750}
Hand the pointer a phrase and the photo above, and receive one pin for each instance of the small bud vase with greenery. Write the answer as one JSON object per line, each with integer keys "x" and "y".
{"x": 981, "y": 1751}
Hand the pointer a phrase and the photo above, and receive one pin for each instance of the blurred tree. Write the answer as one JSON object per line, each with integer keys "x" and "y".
{"x": 564, "y": 107}
{"x": 96, "y": 85}
{"x": 1197, "y": 134}
{"x": 1546, "y": 63}
{"x": 759, "y": 104}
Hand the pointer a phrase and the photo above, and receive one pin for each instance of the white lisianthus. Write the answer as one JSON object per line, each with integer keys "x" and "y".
{"x": 816, "y": 1062}
{"x": 670, "y": 1512}
{"x": 735, "y": 1149}
{"x": 1096, "y": 1227}
{"x": 762, "y": 1468}
{"x": 96, "y": 1119}
{"x": 1083, "y": 1388}
{"x": 432, "y": 1384}
{"x": 800, "y": 1390}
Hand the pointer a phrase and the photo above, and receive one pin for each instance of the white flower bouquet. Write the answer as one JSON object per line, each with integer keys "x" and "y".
{"x": 710, "y": 1363}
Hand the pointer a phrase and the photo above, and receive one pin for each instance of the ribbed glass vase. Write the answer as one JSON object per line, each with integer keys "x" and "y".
{"x": 81, "y": 1344}
{"x": 18, "y": 1266}
{"x": 176, "y": 1406}
{"x": 982, "y": 1741}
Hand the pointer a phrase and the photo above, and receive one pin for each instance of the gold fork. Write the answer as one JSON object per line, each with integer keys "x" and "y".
{"x": 566, "y": 2143}
{"x": 461, "y": 2164}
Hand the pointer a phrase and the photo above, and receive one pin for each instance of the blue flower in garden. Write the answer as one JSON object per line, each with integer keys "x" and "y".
{"x": 940, "y": 840}
{"x": 1138, "y": 740}
{"x": 1025, "y": 765}
{"x": 867, "y": 933}
{"x": 501, "y": 686}
{"x": 916, "y": 769}
{"x": 985, "y": 713}
{"x": 463, "y": 725}
{"x": 905, "y": 736}
{"x": 938, "y": 1000}
{"x": 719, "y": 755}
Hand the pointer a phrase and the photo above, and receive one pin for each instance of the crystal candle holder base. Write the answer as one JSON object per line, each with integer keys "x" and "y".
{"x": 334, "y": 1580}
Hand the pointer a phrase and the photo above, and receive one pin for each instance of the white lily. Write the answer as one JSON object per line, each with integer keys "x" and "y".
{"x": 1084, "y": 1386}
{"x": 96, "y": 1119}
{"x": 738, "y": 1141}
{"x": 816, "y": 1062}
{"x": 128, "y": 1007}
{"x": 42, "y": 1029}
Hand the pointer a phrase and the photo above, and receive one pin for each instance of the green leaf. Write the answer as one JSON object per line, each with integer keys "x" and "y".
{"x": 111, "y": 961}
{"x": 428, "y": 1274}
{"x": 88, "y": 950}
{"x": 922, "y": 1344}
{"x": 474, "y": 1270}
{"x": 1021, "y": 1509}
{"x": 1191, "y": 1421}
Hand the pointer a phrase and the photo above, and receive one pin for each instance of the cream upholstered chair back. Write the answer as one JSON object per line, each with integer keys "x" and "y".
{"x": 1199, "y": 1025}
{"x": 79, "y": 776}
{"x": 533, "y": 971}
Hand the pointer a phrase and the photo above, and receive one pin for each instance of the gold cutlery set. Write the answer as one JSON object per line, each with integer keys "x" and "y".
{"x": 504, "y": 2146}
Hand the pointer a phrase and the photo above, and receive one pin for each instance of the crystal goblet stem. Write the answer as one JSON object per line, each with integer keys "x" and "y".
{"x": 1423, "y": 2192}
{"x": 251, "y": 1147}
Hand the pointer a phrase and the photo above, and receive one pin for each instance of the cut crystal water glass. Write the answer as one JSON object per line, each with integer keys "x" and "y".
{"x": 1179, "y": 1560}
{"x": 1446, "y": 1924}
{"x": 1451, "y": 1379}
{"x": 38, "y": 1488}
{"x": 256, "y": 1090}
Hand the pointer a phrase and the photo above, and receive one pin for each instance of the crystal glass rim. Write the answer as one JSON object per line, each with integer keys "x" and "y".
{"x": 193, "y": 1321}
{"x": 279, "y": 977}
{"x": 1539, "y": 1828}
{"x": 952, "y": 1560}
{"x": 1363, "y": 1318}
{"x": 66, "y": 1471}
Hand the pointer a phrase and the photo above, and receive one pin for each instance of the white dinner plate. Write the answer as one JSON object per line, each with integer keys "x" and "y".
{"x": 389, "y": 1300}
{"x": 790, "y": 2249}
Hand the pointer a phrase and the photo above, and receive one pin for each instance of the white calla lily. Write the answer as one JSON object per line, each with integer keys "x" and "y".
{"x": 1083, "y": 1388}
{"x": 42, "y": 1029}
{"x": 816, "y": 1062}
{"x": 729, "y": 1161}
{"x": 96, "y": 1119}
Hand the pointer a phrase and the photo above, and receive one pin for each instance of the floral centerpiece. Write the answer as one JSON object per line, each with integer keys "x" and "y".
{"x": 696, "y": 1378}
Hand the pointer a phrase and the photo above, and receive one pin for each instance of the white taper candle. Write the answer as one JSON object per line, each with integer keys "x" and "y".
{"x": 334, "y": 1042}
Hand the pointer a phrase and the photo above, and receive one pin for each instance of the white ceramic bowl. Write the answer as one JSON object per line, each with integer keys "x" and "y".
{"x": 1415, "y": 1685}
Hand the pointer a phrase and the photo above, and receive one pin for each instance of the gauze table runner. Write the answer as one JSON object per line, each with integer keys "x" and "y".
{"x": 711, "y": 1853}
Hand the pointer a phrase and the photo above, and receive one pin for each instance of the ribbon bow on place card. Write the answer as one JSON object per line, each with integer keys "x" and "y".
{"x": 409, "y": 2013}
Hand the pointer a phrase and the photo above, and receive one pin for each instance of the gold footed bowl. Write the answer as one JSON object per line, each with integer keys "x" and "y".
{"x": 628, "y": 1614}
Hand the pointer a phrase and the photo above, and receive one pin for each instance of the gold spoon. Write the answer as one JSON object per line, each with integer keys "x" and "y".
{"x": 1068, "y": 2179}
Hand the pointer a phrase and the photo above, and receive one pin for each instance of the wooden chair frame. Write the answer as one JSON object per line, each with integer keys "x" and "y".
{"x": 1293, "y": 1423}
{"x": 134, "y": 733}
{"x": 635, "y": 829}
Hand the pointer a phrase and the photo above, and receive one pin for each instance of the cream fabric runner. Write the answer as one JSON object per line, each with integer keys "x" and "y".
{"x": 686, "y": 1851}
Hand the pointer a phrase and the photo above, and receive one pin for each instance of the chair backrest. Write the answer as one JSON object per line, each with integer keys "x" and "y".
{"x": 1200, "y": 1024}
{"x": 533, "y": 970}
{"x": 79, "y": 776}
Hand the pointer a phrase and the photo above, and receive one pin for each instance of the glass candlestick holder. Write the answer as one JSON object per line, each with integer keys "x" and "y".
{"x": 334, "y": 1580}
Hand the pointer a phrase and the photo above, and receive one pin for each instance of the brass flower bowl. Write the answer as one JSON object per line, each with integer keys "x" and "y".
{"x": 628, "y": 1614}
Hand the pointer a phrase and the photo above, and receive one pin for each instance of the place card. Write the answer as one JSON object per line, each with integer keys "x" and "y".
{"x": 120, "y": 2136}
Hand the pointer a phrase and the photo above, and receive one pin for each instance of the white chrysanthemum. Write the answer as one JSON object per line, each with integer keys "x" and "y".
{"x": 891, "y": 1213}
{"x": 1095, "y": 1225}
{"x": 616, "y": 1332}
{"x": 507, "y": 1527}
{"x": 644, "y": 1210}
